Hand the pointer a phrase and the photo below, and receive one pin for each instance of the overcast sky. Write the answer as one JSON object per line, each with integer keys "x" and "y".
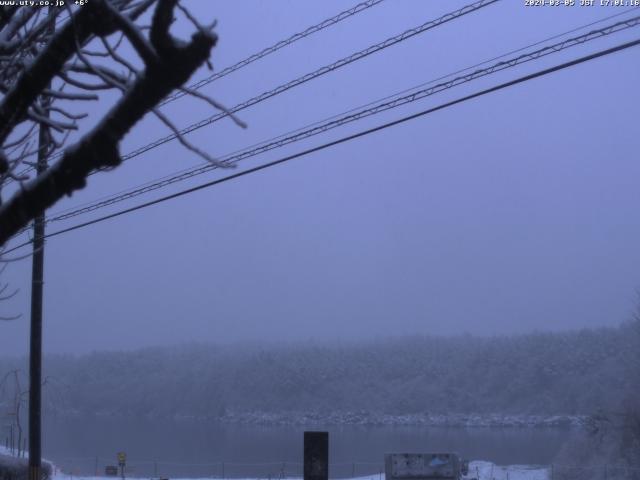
{"x": 510, "y": 213}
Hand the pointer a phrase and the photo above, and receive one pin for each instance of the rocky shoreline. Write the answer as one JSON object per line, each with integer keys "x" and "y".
{"x": 364, "y": 418}
{"x": 414, "y": 419}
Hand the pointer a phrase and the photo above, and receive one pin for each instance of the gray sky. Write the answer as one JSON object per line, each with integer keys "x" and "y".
{"x": 510, "y": 213}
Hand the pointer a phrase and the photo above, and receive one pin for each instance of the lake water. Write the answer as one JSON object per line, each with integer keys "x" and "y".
{"x": 207, "y": 449}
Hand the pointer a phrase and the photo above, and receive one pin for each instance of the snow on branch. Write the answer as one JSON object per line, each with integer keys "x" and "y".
{"x": 67, "y": 65}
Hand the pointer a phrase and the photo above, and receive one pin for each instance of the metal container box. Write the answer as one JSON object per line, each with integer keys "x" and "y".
{"x": 427, "y": 466}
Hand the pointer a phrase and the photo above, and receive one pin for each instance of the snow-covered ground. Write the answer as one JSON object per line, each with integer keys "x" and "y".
{"x": 489, "y": 471}
{"x": 480, "y": 470}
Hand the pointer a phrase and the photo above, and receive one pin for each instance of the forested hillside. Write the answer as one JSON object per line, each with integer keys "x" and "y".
{"x": 543, "y": 373}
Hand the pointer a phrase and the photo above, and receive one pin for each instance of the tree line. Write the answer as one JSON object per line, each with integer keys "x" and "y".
{"x": 574, "y": 373}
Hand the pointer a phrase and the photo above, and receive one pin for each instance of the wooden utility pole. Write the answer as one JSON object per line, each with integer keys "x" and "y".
{"x": 35, "y": 338}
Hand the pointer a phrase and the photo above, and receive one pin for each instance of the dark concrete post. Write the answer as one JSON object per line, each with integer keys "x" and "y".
{"x": 316, "y": 455}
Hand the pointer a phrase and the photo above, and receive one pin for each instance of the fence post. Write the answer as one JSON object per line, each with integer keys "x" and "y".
{"x": 353, "y": 471}
{"x": 223, "y": 470}
{"x": 605, "y": 472}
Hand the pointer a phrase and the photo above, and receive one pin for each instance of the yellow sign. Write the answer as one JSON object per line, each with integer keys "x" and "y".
{"x": 122, "y": 458}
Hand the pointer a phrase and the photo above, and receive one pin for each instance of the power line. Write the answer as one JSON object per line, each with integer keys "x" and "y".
{"x": 284, "y": 140}
{"x": 347, "y": 138}
{"x": 358, "y": 115}
{"x": 311, "y": 76}
{"x": 261, "y": 54}
{"x": 318, "y": 73}
{"x": 108, "y": 198}
{"x": 277, "y": 46}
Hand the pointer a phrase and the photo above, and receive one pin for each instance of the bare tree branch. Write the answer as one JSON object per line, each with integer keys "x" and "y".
{"x": 169, "y": 68}
{"x": 214, "y": 104}
{"x": 188, "y": 145}
{"x": 135, "y": 36}
{"x": 33, "y": 58}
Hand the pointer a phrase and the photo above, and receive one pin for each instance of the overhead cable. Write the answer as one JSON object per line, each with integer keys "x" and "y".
{"x": 276, "y": 46}
{"x": 347, "y": 138}
{"x": 351, "y": 117}
{"x": 261, "y": 54}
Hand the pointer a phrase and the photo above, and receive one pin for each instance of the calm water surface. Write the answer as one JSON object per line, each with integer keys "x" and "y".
{"x": 208, "y": 449}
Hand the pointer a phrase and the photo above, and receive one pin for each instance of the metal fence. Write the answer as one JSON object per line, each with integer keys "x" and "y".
{"x": 95, "y": 466}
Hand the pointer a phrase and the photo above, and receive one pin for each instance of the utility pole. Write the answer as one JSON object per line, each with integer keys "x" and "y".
{"x": 35, "y": 339}
{"x": 37, "y": 280}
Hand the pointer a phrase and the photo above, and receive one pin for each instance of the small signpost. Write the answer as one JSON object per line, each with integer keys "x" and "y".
{"x": 111, "y": 471}
{"x": 122, "y": 461}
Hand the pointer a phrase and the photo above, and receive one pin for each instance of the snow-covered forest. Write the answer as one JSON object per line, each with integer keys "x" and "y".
{"x": 570, "y": 373}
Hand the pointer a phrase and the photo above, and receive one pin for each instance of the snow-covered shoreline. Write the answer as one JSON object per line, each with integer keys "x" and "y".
{"x": 367, "y": 418}
{"x": 472, "y": 420}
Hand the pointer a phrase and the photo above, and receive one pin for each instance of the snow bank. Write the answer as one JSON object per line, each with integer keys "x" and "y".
{"x": 490, "y": 471}
{"x": 17, "y": 468}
